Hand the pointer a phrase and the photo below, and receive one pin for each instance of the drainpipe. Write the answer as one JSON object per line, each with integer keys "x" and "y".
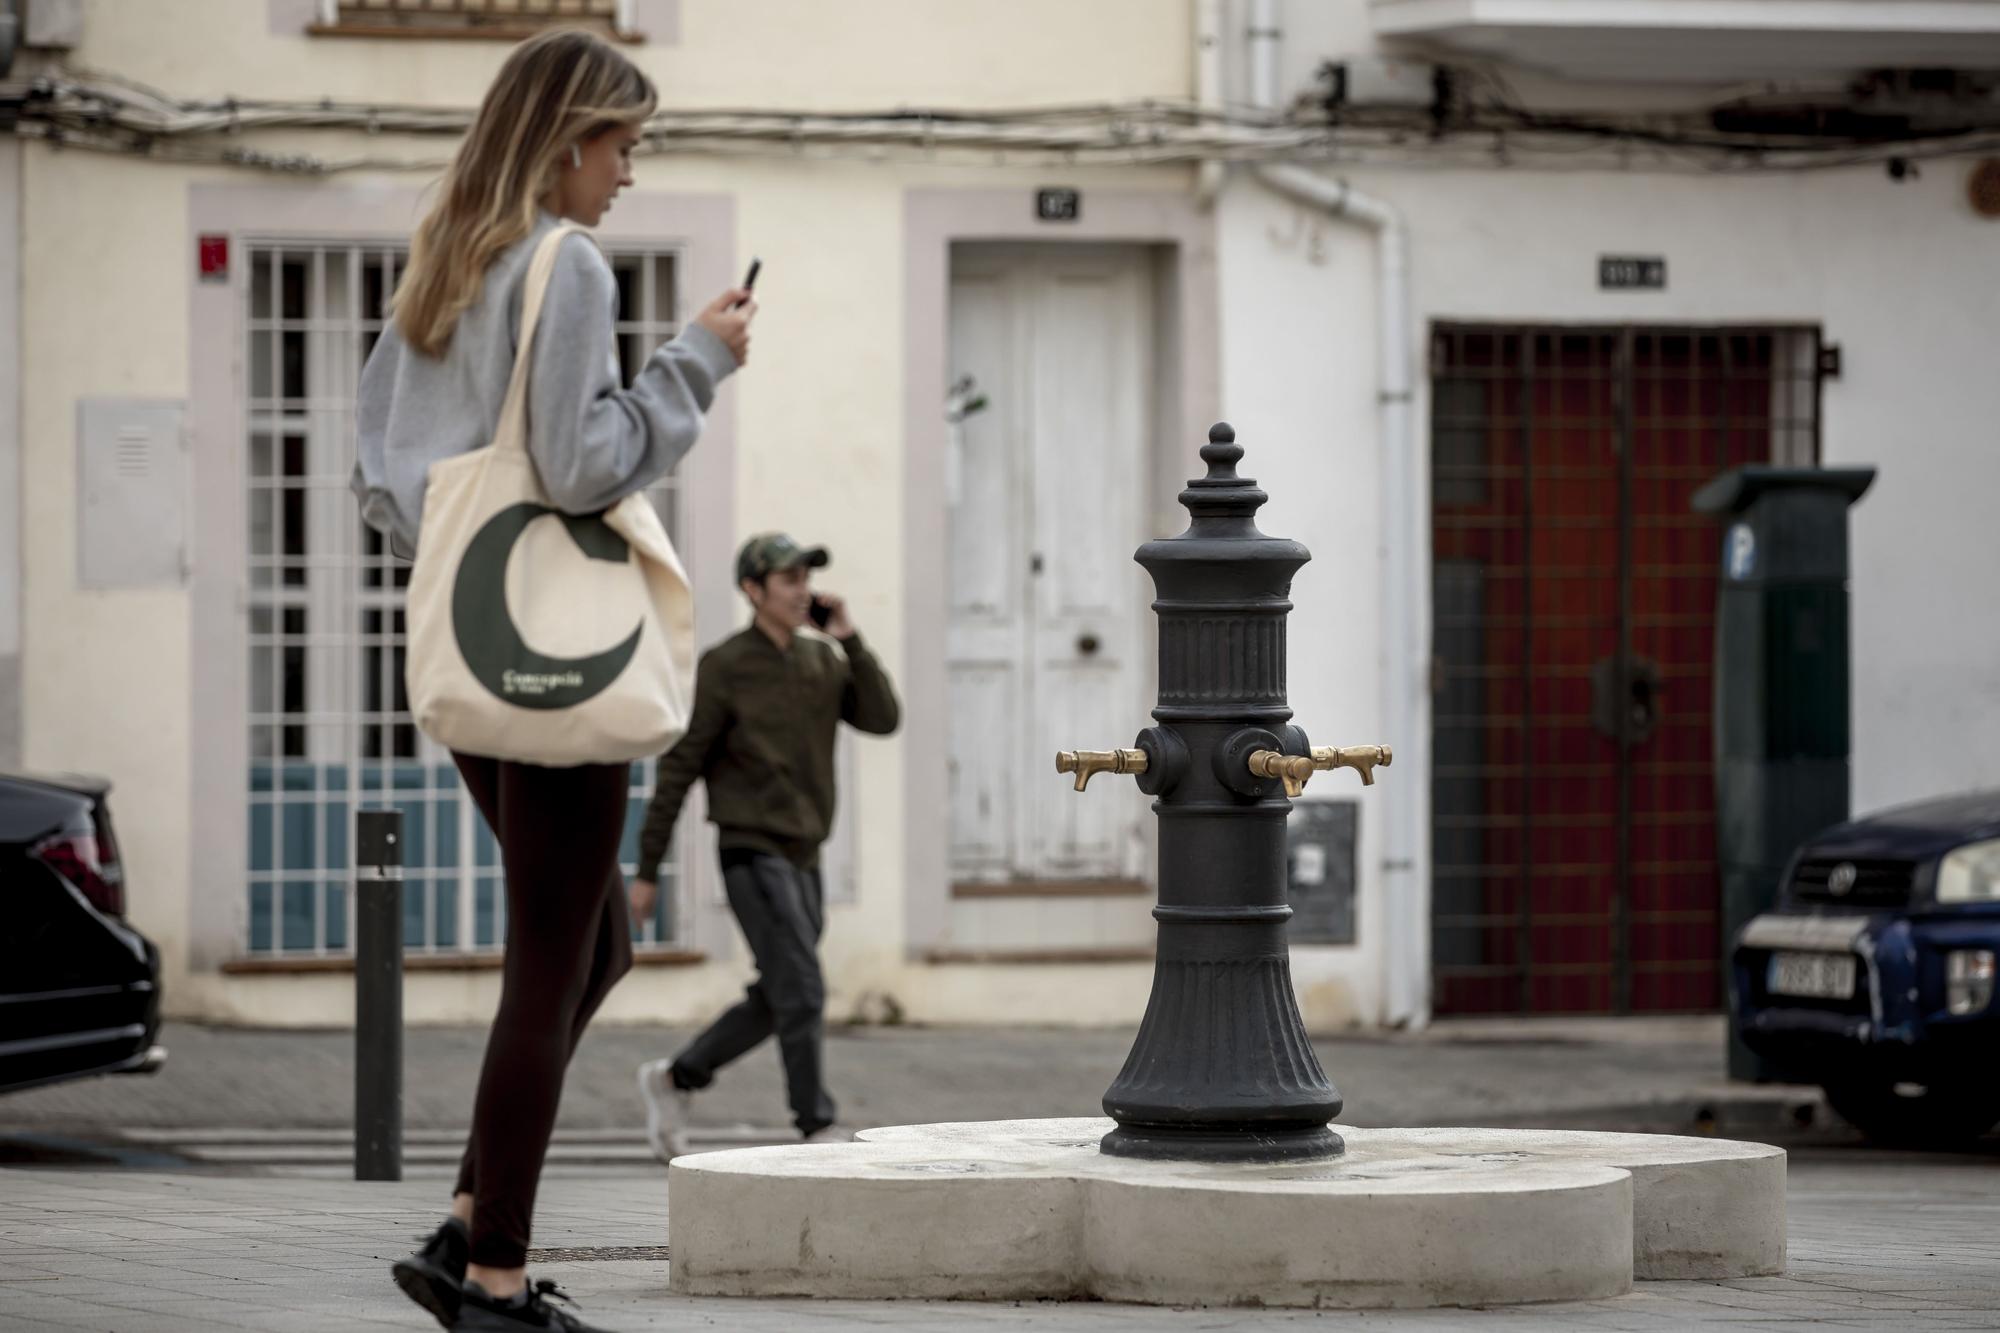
{"x": 1406, "y": 910}
{"x": 1208, "y": 90}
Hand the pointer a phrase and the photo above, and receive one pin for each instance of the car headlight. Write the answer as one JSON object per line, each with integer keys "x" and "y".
{"x": 1971, "y": 874}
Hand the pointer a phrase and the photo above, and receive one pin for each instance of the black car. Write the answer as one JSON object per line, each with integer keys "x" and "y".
{"x": 79, "y": 987}
{"x": 1874, "y": 977}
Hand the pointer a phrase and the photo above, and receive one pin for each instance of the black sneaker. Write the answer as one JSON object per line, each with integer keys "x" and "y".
{"x": 434, "y": 1276}
{"x": 527, "y": 1312}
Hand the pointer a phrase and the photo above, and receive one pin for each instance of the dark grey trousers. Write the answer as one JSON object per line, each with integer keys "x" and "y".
{"x": 781, "y": 909}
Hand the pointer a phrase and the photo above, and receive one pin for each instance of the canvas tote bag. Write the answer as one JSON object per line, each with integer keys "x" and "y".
{"x": 535, "y": 635}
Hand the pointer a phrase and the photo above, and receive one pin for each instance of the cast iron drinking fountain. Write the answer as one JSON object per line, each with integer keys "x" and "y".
{"x": 1222, "y": 1069}
{"x": 1220, "y": 1181}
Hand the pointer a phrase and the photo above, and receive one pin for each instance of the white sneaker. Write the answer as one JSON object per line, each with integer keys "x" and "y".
{"x": 831, "y": 1134}
{"x": 666, "y": 1109}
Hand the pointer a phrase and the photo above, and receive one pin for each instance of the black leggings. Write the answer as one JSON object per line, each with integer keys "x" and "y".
{"x": 569, "y": 939}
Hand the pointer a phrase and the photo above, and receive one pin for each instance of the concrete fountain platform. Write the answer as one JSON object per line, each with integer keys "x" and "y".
{"x": 1026, "y": 1209}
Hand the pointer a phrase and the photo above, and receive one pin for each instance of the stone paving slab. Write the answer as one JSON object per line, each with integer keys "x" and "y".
{"x": 1878, "y": 1241}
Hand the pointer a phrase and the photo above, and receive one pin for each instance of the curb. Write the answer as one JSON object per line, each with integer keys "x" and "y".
{"x": 1796, "y": 1114}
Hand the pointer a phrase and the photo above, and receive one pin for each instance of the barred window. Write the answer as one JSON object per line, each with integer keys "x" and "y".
{"x": 499, "y": 20}
{"x": 330, "y": 727}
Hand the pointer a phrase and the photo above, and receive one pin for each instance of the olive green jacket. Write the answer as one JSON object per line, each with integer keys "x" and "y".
{"x": 761, "y": 736}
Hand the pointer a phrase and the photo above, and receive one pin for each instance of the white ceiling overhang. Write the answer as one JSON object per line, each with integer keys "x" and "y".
{"x": 1703, "y": 41}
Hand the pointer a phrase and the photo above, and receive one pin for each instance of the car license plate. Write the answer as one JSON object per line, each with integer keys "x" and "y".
{"x": 1815, "y": 976}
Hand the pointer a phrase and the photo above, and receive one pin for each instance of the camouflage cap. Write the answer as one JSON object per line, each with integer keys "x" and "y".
{"x": 769, "y": 552}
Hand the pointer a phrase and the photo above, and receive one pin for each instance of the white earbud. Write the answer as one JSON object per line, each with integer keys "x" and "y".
{"x": 575, "y": 157}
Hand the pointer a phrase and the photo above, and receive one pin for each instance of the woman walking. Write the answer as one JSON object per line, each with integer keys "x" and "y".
{"x": 551, "y": 145}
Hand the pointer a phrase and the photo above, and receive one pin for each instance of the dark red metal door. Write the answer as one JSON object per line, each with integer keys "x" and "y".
{"x": 1574, "y": 858}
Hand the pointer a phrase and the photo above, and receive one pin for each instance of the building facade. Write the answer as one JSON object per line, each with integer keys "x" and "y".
{"x": 1487, "y": 290}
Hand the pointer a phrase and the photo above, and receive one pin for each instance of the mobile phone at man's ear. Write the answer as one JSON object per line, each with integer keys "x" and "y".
{"x": 820, "y": 611}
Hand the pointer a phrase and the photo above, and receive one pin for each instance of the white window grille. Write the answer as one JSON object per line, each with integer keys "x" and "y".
{"x": 329, "y": 725}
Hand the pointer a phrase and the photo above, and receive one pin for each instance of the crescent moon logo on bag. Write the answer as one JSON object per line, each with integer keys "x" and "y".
{"x": 499, "y": 657}
{"x": 475, "y": 683}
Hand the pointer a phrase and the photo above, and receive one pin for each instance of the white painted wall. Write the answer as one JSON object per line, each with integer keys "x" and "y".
{"x": 1299, "y": 382}
{"x": 105, "y": 265}
{"x": 803, "y": 54}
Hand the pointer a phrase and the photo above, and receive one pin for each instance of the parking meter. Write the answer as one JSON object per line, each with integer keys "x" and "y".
{"x": 1782, "y": 693}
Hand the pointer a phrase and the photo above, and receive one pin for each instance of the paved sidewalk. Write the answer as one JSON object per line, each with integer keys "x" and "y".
{"x": 1877, "y": 1242}
{"x": 1660, "y": 1074}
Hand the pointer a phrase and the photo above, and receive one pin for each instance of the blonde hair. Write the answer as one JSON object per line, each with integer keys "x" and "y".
{"x": 557, "y": 89}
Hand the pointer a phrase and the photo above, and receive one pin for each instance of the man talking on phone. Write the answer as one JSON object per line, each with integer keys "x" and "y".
{"x": 767, "y": 703}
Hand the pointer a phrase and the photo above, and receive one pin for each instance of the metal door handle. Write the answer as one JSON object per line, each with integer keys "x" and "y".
{"x": 1087, "y": 645}
{"x": 1643, "y": 691}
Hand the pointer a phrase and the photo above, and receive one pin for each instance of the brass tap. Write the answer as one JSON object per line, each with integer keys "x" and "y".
{"x": 1361, "y": 758}
{"x": 1087, "y": 764}
{"x": 1293, "y": 768}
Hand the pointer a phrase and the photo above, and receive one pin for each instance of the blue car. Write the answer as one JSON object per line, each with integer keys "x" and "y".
{"x": 1874, "y": 976}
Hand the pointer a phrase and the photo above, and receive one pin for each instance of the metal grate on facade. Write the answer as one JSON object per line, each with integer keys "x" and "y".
{"x": 1574, "y": 598}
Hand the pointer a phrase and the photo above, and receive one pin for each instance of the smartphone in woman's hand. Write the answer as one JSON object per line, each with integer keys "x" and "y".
{"x": 750, "y": 278}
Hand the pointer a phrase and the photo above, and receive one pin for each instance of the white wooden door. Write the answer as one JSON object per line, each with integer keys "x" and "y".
{"x": 1046, "y": 606}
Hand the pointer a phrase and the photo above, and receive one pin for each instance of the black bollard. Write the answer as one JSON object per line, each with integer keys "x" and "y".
{"x": 1222, "y": 1069}
{"x": 378, "y": 995}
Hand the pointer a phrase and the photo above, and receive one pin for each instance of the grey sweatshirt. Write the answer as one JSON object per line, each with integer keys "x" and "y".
{"x": 592, "y": 441}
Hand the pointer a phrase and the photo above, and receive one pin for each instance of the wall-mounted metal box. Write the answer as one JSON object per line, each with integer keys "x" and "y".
{"x": 131, "y": 493}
